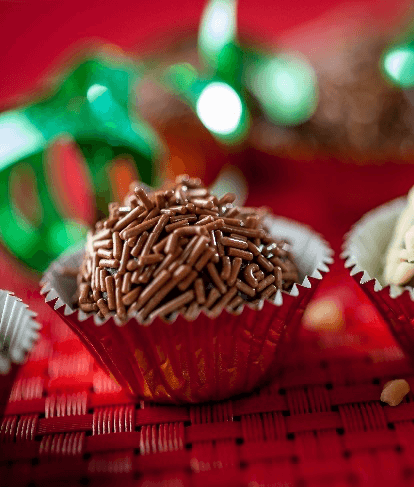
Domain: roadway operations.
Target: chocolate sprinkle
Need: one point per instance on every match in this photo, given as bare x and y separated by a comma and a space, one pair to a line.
181, 251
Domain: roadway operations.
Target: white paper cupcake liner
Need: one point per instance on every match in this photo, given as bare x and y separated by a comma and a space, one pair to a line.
204, 359
18, 333
18, 330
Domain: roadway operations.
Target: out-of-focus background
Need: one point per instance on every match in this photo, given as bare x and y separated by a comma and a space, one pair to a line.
326, 172
35, 34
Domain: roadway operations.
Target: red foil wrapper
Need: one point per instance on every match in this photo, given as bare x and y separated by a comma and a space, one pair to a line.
204, 359
364, 252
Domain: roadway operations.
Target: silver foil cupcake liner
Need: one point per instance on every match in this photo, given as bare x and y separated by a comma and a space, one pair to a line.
204, 359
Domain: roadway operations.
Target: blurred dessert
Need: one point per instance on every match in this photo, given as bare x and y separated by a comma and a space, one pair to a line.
360, 116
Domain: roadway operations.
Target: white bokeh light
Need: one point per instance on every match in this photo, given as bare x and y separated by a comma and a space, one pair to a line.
219, 108
395, 62
95, 91
19, 138
218, 26
285, 87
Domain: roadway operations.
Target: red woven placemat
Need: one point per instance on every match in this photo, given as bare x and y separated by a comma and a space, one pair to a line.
320, 423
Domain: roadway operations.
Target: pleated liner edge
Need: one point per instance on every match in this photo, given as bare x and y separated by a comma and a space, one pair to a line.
195, 361
395, 304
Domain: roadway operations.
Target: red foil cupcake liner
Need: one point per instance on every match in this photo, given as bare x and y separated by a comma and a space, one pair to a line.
364, 251
204, 359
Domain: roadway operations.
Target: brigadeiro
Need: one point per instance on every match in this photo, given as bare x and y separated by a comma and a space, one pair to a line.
379, 252
184, 297
181, 250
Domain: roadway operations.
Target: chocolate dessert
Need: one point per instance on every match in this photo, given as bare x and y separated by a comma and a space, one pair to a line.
181, 250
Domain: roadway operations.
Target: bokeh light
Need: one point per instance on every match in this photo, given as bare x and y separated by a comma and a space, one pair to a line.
181, 77
285, 87
95, 91
220, 108
19, 138
217, 29
398, 65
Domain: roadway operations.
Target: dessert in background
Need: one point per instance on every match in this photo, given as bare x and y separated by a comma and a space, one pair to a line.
399, 259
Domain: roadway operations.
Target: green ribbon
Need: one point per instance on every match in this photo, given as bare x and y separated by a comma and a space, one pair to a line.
92, 104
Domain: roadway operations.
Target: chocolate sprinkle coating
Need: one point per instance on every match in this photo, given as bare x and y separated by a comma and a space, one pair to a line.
192, 253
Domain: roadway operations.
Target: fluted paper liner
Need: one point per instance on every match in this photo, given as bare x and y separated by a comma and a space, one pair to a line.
18, 333
364, 253
204, 359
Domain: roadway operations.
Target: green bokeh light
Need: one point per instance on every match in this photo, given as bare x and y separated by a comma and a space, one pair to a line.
220, 108
18, 138
181, 77
398, 66
285, 87
217, 29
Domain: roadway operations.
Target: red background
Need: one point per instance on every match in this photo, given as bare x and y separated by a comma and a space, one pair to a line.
34, 34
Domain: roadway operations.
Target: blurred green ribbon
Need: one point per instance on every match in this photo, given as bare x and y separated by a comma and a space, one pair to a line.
92, 105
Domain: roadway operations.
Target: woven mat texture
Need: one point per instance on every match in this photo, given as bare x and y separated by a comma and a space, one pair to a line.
319, 424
